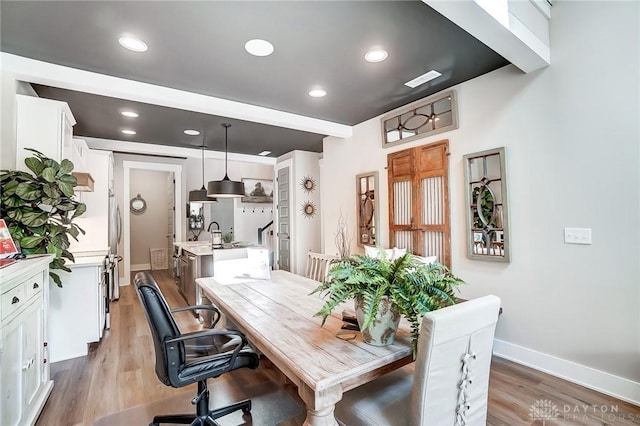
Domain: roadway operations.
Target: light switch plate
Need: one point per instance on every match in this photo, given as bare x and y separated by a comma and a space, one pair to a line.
577, 235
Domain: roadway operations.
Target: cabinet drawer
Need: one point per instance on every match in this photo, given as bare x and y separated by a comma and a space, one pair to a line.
34, 284
13, 300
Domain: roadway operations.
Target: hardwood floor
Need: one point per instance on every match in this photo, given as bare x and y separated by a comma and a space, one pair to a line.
119, 374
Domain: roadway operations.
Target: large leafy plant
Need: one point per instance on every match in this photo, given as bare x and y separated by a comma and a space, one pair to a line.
413, 288
39, 209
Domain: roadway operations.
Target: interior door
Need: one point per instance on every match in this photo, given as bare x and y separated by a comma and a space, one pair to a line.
419, 200
171, 236
284, 220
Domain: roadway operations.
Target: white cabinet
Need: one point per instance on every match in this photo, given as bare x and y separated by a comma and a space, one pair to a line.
79, 305
11, 361
44, 125
24, 368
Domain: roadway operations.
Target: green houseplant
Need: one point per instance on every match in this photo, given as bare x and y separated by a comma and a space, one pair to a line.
412, 287
39, 209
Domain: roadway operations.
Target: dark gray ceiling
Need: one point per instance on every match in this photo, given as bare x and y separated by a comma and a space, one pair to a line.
198, 46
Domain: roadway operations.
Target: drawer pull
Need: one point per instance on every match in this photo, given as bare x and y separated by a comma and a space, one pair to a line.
15, 300
35, 285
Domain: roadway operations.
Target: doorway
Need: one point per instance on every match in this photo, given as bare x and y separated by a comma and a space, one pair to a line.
175, 228
152, 228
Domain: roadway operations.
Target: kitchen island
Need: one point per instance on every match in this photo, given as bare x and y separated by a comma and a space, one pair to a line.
197, 259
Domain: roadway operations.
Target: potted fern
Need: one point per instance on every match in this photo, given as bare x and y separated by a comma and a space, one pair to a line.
384, 290
39, 209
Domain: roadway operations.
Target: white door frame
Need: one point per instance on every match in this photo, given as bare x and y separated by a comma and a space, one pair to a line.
176, 169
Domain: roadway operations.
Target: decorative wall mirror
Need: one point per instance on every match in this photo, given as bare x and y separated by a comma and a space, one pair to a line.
196, 215
367, 208
487, 210
196, 219
137, 205
425, 117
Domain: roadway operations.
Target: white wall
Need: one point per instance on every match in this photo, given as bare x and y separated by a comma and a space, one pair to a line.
7, 121
572, 142
118, 178
95, 220
245, 225
248, 217
306, 230
148, 229
9, 87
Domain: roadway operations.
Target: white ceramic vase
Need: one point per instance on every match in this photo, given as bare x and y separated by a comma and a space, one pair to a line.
383, 329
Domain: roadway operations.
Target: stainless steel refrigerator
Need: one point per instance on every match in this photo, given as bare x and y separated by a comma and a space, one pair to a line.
115, 232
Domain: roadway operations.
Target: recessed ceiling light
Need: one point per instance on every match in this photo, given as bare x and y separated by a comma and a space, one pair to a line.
130, 114
376, 55
191, 132
258, 47
423, 79
128, 132
133, 43
264, 153
317, 93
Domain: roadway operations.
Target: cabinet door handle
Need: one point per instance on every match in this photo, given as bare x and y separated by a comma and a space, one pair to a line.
15, 300
28, 364
35, 285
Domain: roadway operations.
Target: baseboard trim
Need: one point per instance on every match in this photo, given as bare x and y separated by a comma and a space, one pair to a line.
607, 383
141, 267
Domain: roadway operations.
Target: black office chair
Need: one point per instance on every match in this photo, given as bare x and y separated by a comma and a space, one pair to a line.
183, 359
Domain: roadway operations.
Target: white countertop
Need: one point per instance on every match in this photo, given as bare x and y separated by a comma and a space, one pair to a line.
203, 248
102, 252
85, 261
17, 267
199, 248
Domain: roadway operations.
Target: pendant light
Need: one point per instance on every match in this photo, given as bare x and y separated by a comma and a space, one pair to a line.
200, 195
225, 188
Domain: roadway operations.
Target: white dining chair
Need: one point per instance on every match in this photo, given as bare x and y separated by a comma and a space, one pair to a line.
449, 383
318, 265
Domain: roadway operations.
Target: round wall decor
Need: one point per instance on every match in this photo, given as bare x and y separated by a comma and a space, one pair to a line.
308, 184
308, 209
138, 204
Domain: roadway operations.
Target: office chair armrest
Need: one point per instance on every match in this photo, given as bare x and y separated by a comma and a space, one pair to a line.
216, 313
207, 333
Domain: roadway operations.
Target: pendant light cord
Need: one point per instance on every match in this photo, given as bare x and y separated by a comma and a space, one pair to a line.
226, 149
203, 163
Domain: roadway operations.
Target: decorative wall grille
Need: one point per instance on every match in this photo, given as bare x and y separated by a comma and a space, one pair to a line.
419, 200
425, 117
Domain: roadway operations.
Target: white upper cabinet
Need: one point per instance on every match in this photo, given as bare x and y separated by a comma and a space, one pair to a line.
44, 125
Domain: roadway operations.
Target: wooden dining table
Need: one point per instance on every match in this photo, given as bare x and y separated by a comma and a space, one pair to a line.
277, 317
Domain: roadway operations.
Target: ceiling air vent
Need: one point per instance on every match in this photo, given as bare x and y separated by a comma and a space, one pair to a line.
423, 79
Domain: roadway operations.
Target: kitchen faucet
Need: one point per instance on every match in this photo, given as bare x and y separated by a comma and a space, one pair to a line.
209, 227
